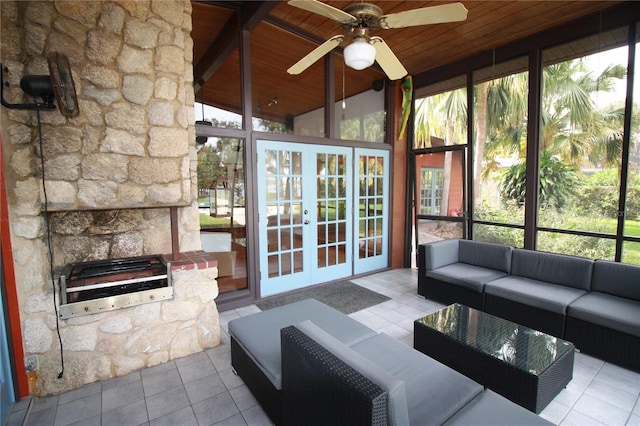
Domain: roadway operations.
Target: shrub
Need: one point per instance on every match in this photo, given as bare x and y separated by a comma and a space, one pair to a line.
558, 182
598, 196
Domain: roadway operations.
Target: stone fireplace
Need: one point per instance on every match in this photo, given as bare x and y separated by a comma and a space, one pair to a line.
118, 180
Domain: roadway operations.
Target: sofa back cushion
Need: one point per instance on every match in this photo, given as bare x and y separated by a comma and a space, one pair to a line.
329, 370
616, 278
487, 255
570, 271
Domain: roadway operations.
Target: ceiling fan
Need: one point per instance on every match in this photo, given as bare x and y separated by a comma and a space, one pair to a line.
359, 21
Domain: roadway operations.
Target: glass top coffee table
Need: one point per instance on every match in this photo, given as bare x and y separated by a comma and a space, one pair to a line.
524, 365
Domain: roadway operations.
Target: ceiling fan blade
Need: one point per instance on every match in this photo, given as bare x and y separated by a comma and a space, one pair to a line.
315, 54
453, 12
388, 60
323, 9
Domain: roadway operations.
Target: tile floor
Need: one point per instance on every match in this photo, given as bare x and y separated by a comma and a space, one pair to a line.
201, 389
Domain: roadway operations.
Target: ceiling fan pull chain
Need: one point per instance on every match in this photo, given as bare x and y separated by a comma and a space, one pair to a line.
344, 103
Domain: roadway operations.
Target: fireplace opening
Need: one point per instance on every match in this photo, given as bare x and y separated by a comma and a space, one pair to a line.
105, 285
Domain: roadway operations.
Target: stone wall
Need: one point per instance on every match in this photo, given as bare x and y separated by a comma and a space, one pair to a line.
110, 174
114, 343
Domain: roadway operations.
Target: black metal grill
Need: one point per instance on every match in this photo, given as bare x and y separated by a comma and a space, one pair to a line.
108, 279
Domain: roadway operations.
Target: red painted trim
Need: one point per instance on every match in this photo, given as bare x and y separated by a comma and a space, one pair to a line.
10, 285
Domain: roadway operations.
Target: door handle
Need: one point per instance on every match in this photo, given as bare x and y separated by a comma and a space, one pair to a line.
306, 221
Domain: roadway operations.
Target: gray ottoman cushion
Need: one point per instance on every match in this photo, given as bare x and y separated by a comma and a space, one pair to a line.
434, 391
553, 268
259, 334
609, 311
549, 297
465, 275
491, 409
397, 413
487, 255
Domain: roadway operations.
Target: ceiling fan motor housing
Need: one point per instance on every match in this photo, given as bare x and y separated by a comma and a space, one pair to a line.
368, 16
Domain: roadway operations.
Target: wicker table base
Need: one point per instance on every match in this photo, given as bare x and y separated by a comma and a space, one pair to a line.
526, 366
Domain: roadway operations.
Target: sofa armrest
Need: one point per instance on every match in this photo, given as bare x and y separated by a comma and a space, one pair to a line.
439, 254
325, 382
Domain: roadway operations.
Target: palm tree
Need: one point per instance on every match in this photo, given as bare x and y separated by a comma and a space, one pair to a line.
572, 125
444, 116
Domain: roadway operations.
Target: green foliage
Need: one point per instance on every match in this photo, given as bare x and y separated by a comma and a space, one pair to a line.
590, 247
558, 182
209, 166
599, 195
500, 234
207, 221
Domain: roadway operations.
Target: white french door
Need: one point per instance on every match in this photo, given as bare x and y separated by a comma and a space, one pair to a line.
306, 213
372, 221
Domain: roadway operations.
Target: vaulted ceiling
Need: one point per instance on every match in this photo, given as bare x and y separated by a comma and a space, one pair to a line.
281, 34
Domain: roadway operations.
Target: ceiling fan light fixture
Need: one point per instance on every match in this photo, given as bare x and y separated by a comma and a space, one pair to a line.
360, 54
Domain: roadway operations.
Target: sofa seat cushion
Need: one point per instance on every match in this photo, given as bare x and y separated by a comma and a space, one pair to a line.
434, 391
465, 275
259, 334
397, 413
616, 313
491, 409
538, 294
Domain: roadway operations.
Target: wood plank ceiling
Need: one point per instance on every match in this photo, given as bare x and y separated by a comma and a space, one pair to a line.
282, 34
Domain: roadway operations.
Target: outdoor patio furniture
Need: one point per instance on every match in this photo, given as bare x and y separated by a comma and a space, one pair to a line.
539, 289
606, 321
334, 370
457, 270
255, 345
594, 304
527, 366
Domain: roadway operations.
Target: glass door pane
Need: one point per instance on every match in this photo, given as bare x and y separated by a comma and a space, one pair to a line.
222, 208
283, 232
333, 200
372, 215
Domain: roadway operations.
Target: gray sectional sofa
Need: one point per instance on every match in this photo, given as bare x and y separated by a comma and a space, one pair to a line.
309, 364
593, 304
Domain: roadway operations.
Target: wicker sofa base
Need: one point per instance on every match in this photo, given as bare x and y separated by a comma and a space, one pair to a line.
446, 293
316, 381
260, 386
602, 342
532, 317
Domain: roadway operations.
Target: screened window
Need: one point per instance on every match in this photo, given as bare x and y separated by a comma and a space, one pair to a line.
581, 137
499, 147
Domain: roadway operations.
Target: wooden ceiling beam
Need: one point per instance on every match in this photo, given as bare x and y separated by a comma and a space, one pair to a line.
251, 14
295, 30
216, 54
